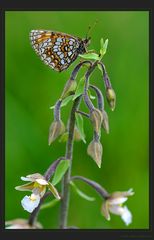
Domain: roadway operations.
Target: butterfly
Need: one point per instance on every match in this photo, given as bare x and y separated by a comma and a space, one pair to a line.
58, 50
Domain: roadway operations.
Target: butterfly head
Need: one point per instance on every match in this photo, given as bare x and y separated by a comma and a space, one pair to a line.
83, 45
86, 41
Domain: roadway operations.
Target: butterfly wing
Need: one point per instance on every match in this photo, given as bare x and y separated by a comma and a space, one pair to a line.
57, 50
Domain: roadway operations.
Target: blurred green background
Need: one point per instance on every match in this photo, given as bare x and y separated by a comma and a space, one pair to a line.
32, 87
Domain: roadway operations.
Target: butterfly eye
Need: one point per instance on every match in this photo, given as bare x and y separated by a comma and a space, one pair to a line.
86, 41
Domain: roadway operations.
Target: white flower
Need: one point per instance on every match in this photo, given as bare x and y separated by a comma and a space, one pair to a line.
29, 203
126, 216
20, 223
37, 185
114, 203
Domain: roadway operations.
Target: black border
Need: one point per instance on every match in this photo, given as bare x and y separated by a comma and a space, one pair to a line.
51, 5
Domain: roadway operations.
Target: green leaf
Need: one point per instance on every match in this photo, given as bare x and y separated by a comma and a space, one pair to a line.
100, 68
49, 204
102, 43
81, 194
60, 171
65, 101
79, 124
103, 47
52, 107
64, 137
80, 88
93, 56
90, 95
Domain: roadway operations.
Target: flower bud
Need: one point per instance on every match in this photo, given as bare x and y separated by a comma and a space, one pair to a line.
56, 129
95, 151
69, 88
96, 119
105, 122
111, 98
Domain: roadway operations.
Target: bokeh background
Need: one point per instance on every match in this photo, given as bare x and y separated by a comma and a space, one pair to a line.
31, 88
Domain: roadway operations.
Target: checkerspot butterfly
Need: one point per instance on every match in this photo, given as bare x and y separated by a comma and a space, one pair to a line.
57, 50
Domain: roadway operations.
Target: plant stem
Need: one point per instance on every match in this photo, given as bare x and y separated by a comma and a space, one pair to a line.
105, 76
85, 95
83, 113
33, 217
102, 191
68, 155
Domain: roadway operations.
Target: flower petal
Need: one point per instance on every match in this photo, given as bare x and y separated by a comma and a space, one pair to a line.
41, 181
39, 191
54, 191
115, 209
25, 179
122, 194
105, 210
126, 216
32, 177
130, 192
115, 201
29, 203
25, 187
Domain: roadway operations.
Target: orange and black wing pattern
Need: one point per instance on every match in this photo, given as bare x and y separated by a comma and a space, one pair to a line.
57, 50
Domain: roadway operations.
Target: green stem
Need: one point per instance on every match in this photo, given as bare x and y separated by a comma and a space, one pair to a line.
66, 179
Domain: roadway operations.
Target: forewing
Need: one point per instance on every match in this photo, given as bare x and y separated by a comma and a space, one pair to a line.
57, 50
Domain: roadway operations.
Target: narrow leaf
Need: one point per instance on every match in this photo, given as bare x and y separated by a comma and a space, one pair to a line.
79, 124
81, 194
93, 56
64, 137
80, 88
52, 107
90, 95
60, 171
49, 204
102, 43
65, 101
100, 68
105, 46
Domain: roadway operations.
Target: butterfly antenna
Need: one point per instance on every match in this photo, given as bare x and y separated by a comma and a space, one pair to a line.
90, 28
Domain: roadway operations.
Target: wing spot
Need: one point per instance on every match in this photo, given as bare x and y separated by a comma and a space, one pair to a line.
69, 53
62, 55
59, 53
62, 62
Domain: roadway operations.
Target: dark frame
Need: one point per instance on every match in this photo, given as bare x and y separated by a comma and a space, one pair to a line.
71, 234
